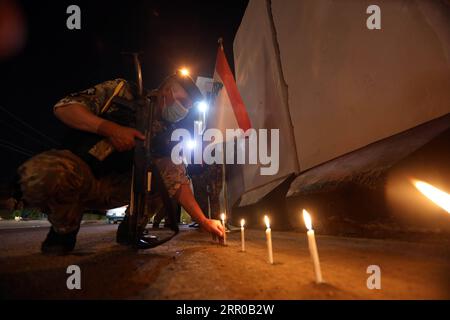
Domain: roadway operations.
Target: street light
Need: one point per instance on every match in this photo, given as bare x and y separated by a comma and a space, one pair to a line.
191, 144
184, 72
202, 106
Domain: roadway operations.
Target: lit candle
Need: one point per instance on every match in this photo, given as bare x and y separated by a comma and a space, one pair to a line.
439, 197
269, 239
242, 234
312, 246
222, 217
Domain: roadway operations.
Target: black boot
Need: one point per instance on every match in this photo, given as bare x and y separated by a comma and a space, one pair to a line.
59, 244
124, 237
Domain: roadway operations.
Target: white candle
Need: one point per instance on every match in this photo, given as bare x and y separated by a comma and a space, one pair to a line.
269, 239
222, 217
312, 246
242, 235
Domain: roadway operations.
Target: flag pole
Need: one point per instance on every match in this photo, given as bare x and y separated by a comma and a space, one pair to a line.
224, 173
224, 181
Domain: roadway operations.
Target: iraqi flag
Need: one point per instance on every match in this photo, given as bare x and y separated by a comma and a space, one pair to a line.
228, 111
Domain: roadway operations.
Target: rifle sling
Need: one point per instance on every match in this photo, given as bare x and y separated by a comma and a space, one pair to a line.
169, 206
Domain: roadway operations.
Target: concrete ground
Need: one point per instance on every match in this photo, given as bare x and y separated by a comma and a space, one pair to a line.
191, 266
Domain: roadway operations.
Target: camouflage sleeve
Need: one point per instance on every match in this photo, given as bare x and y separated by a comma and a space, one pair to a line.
96, 97
173, 175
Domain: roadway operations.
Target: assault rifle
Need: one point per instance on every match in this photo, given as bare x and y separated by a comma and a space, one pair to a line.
145, 175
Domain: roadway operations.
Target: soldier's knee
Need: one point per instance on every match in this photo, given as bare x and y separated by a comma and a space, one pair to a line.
55, 173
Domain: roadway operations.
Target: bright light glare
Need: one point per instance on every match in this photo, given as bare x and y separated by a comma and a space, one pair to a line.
307, 219
191, 144
203, 106
439, 197
184, 72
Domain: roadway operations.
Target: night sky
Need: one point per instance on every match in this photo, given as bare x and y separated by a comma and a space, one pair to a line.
56, 61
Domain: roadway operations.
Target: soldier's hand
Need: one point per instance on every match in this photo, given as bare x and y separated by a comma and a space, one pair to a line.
213, 226
123, 138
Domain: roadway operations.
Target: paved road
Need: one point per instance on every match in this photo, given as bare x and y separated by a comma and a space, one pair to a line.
12, 224
193, 267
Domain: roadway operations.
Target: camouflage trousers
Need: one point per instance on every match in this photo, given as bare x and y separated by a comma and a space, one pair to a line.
63, 186
207, 186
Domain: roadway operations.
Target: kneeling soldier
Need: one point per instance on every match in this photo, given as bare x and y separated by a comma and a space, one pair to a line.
65, 183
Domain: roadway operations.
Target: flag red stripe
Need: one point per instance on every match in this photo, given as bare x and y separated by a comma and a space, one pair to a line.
224, 71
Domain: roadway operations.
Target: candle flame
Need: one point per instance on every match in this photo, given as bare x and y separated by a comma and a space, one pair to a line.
267, 221
439, 197
222, 216
307, 219
242, 223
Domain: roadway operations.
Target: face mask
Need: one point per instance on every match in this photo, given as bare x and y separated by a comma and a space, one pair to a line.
174, 112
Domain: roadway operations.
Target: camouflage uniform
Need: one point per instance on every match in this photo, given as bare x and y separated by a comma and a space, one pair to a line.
64, 185
207, 183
